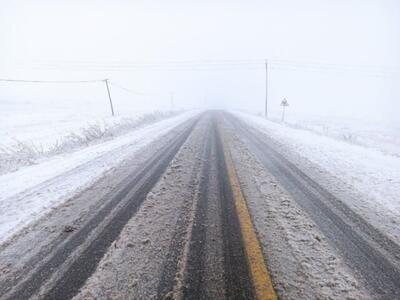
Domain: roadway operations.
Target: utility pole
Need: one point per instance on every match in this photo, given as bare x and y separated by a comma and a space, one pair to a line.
266, 88
109, 97
172, 100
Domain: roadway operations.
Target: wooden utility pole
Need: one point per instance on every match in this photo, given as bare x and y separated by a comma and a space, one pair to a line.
266, 88
109, 97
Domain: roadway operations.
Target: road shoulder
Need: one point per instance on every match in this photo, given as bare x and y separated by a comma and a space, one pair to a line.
301, 262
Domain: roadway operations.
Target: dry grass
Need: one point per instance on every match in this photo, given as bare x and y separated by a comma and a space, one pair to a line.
20, 154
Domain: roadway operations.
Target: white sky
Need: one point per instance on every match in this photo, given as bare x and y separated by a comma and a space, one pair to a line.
343, 32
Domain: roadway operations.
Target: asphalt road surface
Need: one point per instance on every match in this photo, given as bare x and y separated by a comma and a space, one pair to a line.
174, 224
370, 253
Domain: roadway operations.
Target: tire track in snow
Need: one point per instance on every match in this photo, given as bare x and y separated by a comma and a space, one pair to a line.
373, 256
67, 268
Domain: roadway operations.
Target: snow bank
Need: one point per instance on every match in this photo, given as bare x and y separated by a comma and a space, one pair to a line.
373, 174
24, 142
380, 135
27, 194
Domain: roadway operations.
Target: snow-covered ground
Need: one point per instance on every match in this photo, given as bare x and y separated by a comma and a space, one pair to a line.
44, 129
373, 174
28, 193
380, 135
30, 133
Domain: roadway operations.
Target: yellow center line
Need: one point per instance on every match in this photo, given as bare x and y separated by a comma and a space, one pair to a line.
259, 273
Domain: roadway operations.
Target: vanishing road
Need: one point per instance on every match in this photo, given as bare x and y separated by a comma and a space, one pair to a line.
212, 210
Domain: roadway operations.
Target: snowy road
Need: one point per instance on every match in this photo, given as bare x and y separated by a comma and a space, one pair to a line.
167, 223
370, 253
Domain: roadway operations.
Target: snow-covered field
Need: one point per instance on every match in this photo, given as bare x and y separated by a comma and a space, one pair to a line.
28, 193
29, 133
370, 171
380, 135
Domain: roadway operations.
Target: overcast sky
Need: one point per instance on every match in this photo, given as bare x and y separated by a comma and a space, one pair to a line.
355, 44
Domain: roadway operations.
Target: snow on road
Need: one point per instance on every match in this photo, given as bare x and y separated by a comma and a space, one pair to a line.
302, 262
133, 267
28, 193
372, 175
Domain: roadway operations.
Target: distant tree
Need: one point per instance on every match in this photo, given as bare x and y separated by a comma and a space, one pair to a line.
284, 103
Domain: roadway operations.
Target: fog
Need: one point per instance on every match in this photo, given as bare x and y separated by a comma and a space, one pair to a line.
338, 58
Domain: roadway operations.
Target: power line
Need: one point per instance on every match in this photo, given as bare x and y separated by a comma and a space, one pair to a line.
74, 81
155, 68
147, 64
107, 83
63, 82
209, 63
50, 81
221, 65
135, 92
126, 89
